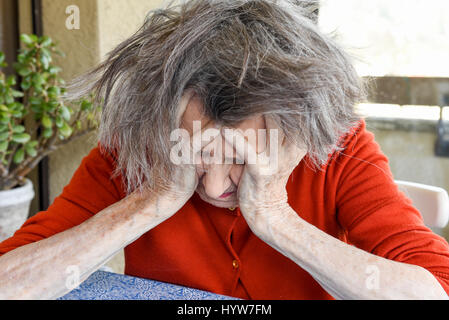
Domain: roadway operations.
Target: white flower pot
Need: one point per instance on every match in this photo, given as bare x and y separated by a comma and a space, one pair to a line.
14, 208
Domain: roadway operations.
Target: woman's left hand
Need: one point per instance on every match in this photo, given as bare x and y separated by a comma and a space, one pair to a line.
262, 193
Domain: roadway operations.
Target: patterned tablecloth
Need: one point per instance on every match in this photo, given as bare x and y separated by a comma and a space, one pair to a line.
103, 285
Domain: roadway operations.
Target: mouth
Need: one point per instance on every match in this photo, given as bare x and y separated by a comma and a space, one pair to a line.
226, 195
225, 200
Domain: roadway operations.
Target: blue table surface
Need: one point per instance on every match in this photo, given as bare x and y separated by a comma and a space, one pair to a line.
102, 285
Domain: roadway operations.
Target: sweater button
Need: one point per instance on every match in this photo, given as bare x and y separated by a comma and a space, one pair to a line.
235, 264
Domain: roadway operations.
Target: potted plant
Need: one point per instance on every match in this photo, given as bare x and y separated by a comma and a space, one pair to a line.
35, 120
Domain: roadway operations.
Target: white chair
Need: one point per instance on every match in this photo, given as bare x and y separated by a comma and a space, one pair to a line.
432, 202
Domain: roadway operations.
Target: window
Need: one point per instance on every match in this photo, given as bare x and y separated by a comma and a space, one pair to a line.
393, 37
403, 45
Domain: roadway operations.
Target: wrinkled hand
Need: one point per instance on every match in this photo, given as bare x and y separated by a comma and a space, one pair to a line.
262, 193
166, 201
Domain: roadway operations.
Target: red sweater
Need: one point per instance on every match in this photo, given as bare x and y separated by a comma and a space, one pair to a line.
353, 199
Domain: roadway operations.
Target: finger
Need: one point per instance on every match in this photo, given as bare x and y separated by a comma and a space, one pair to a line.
273, 130
243, 149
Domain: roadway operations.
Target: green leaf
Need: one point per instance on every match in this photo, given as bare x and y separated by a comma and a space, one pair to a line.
18, 129
17, 94
4, 146
4, 120
16, 106
65, 113
21, 58
4, 108
45, 60
38, 79
32, 144
19, 156
5, 114
47, 133
86, 105
17, 114
32, 152
4, 136
59, 122
21, 137
24, 71
34, 37
66, 130
54, 70
11, 81
51, 105
25, 85
27, 39
38, 88
46, 41
46, 107
46, 54
2, 57
9, 98
35, 100
54, 91
38, 110
46, 121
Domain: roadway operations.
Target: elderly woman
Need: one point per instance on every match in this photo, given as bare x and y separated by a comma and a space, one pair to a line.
326, 221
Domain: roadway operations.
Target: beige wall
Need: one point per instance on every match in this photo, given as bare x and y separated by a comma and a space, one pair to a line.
412, 157
103, 25
82, 52
119, 19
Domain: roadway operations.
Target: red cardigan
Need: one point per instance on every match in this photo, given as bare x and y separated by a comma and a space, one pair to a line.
352, 198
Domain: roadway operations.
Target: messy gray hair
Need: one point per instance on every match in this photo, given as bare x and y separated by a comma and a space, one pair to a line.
243, 58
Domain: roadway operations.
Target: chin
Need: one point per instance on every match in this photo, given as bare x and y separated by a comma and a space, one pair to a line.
230, 202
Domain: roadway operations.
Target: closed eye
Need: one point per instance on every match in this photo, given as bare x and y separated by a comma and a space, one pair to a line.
233, 161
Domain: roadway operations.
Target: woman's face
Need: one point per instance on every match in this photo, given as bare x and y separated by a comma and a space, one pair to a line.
218, 182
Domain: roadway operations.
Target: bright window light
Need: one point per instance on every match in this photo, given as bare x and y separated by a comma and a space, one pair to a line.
392, 37
372, 110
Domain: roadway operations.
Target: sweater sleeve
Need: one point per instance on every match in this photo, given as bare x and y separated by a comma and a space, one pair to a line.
89, 191
376, 216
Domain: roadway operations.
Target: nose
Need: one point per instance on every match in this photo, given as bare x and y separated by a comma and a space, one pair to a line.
216, 180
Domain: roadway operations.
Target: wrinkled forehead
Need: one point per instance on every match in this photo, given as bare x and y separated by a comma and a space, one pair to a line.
194, 112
